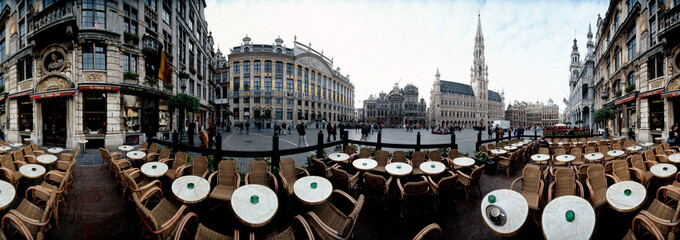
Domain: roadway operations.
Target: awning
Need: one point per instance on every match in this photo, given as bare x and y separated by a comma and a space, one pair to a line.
671, 94
16, 95
98, 87
61, 93
625, 100
650, 93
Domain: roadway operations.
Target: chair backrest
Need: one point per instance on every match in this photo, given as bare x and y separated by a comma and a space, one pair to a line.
257, 173
353, 216
7, 162
453, 153
665, 146
637, 162
531, 178
287, 168
27, 150
604, 149
381, 157
590, 149
447, 184
199, 166
18, 156
180, 159
417, 158
597, 179
144, 145
364, 152
375, 184
227, 174
565, 182
341, 178
544, 150
490, 146
481, 149
165, 153
576, 152
319, 167
616, 146
2, 142
145, 213
416, 188
436, 156
560, 151
620, 170
398, 156
153, 148
349, 150
476, 174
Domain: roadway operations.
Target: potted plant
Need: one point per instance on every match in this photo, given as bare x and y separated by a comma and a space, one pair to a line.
630, 88
200, 76
130, 75
131, 38
151, 80
192, 70
168, 85
618, 93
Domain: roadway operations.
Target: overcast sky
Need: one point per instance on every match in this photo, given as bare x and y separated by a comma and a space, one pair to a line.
528, 43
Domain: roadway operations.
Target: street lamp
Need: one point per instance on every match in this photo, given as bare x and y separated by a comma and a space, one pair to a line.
183, 139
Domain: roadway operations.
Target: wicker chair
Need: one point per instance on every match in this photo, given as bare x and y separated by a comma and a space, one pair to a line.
28, 155
144, 147
330, 222
352, 152
320, 168
435, 156
54, 179
37, 151
162, 219
577, 152
621, 171
565, 183
178, 164
164, 154
202, 232
11, 169
668, 149
199, 167
399, 156
643, 167
142, 186
107, 157
151, 153
506, 163
582, 171
532, 186
650, 156
589, 150
604, 149
616, 146
343, 180
288, 173
228, 180
258, 174
364, 152
417, 159
470, 181
453, 153
18, 156
432, 231
376, 185
661, 218
445, 185
412, 193
544, 150
118, 169
381, 158
597, 185
30, 220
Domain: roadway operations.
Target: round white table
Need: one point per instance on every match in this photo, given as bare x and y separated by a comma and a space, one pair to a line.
432, 167
55, 150
28, 140
7, 194
498, 151
313, 190
254, 204
515, 207
136, 155
519, 144
464, 161
593, 156
674, 158
565, 158
647, 144
634, 148
5, 148
626, 196
16, 145
510, 148
540, 157
154, 169
663, 170
364, 164
398, 169
338, 157
83, 142
47, 159
32, 170
190, 189
615, 153
126, 148
555, 224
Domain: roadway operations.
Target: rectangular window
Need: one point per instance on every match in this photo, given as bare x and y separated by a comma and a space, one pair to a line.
94, 112
130, 62
25, 106
268, 66
279, 85
130, 19
289, 101
299, 71
166, 15
191, 21
299, 86
246, 84
258, 83
182, 47
289, 85
24, 69
655, 66
289, 114
257, 66
289, 69
279, 113
94, 13
237, 67
652, 30
246, 68
191, 87
237, 84
631, 49
267, 100
279, 70
94, 56
22, 34
267, 84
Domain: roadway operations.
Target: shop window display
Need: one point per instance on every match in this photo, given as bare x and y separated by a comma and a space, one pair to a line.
25, 114
94, 112
132, 113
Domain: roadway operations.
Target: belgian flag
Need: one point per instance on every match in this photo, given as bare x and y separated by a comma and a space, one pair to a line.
164, 68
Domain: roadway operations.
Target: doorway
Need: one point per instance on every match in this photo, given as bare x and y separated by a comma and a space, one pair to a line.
54, 121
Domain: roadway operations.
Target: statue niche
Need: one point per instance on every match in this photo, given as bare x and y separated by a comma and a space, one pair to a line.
54, 62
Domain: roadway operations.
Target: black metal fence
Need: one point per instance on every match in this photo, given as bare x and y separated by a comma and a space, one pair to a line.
275, 154
535, 136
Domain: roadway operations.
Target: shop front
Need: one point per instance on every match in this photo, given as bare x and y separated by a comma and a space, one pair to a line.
145, 114
51, 96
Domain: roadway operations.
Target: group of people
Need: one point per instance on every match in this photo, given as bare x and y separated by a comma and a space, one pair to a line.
674, 136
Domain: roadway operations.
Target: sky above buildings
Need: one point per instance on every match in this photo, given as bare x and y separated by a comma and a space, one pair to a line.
380, 43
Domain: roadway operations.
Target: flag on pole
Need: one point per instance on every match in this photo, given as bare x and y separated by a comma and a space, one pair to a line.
565, 101
164, 69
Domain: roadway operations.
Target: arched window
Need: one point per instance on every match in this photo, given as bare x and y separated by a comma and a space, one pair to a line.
278, 50
246, 49
631, 78
617, 58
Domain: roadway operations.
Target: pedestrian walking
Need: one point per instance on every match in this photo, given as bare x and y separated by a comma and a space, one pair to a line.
248, 128
283, 126
329, 131
301, 135
240, 128
212, 131
191, 131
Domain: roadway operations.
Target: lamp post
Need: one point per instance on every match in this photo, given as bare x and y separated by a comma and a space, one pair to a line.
183, 139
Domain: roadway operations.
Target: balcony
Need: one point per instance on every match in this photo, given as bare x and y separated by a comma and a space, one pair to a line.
57, 18
670, 19
151, 45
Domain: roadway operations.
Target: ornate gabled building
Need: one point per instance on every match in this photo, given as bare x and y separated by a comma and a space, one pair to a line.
458, 104
399, 106
581, 92
532, 114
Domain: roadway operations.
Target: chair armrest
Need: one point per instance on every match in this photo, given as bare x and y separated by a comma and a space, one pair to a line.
616, 179
302, 169
432, 183
51, 173
17, 223
638, 173
27, 219
247, 177
512, 185
167, 160
276, 182
212, 175
182, 224
117, 155
648, 224
284, 182
428, 229
346, 196
658, 220
20, 163
180, 170
580, 188
152, 191
330, 231
401, 187
170, 222
305, 226
9, 174
463, 174
149, 185
31, 157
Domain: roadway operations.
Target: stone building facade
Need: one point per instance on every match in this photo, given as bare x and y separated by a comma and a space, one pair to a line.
581, 83
88, 70
532, 114
637, 66
399, 106
458, 104
278, 83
